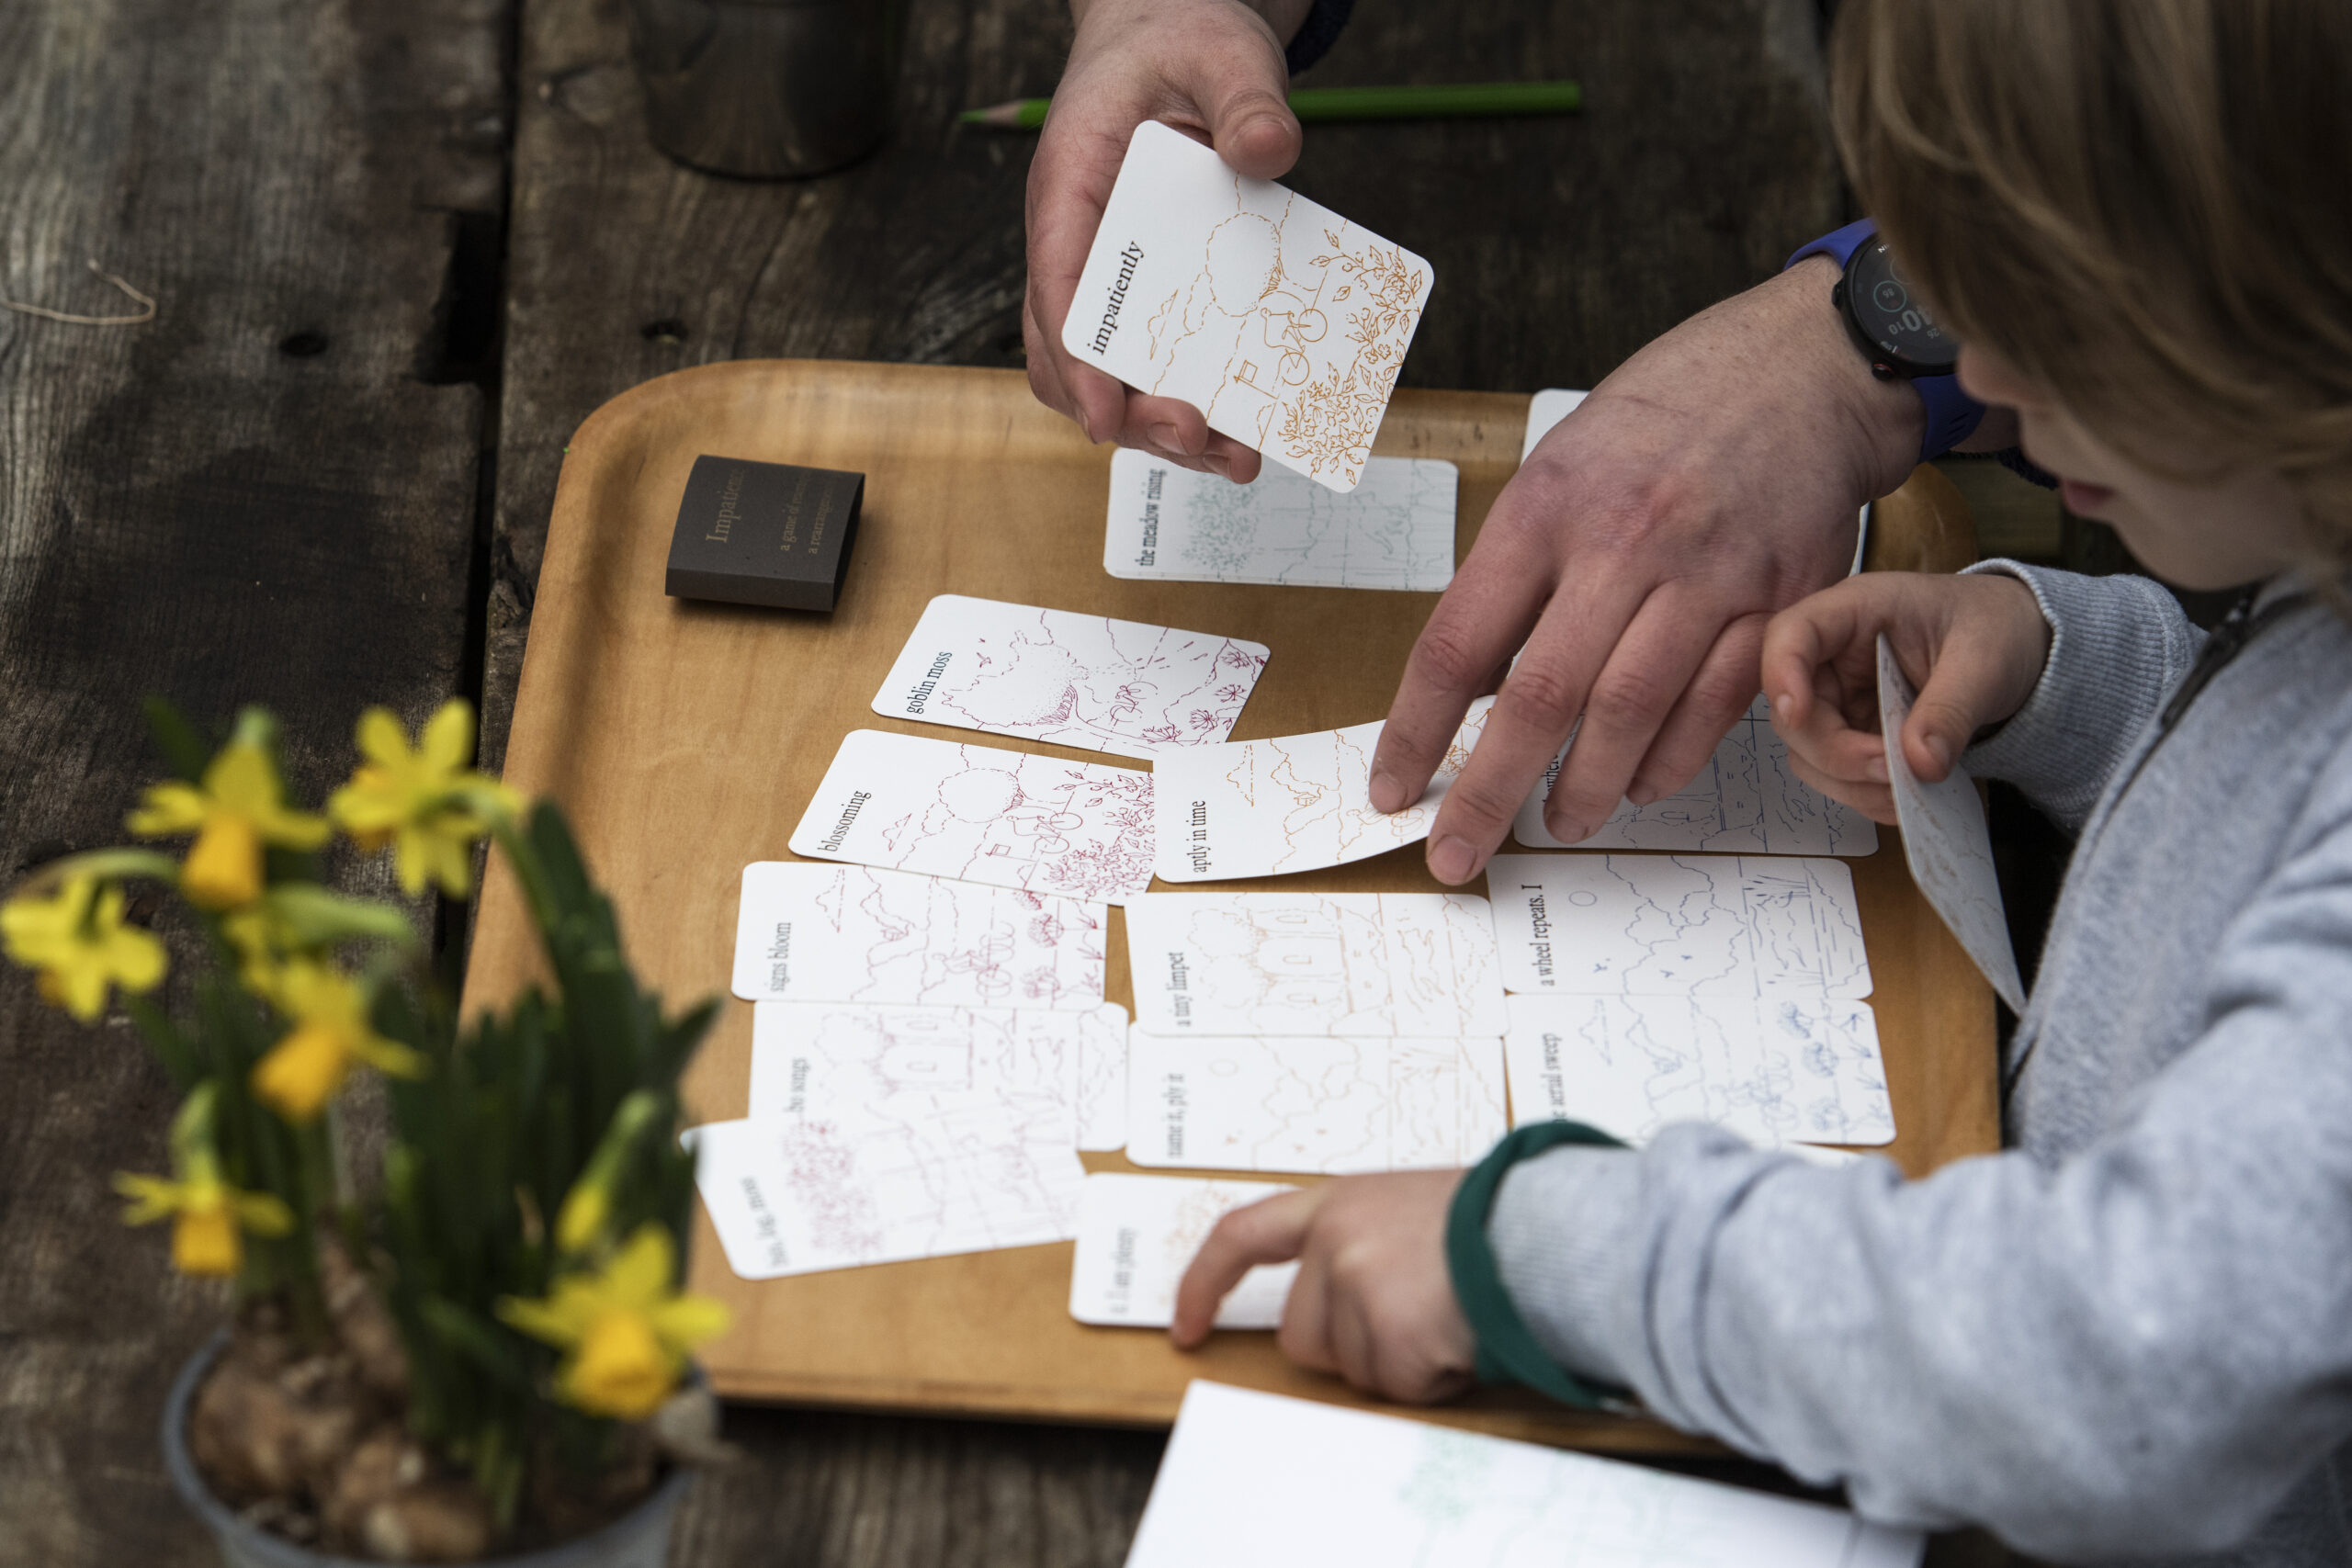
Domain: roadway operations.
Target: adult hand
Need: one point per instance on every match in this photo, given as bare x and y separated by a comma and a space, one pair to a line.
1374, 1300
1712, 479
1973, 647
1211, 68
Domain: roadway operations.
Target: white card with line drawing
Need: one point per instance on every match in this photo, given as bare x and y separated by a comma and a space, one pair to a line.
1313, 1107
1320, 963
1755, 926
1394, 532
1746, 800
1070, 680
1784, 1071
982, 814
1136, 1234
923, 1178
1291, 803
1281, 321
808, 932
810, 1057
1947, 843
1254, 1480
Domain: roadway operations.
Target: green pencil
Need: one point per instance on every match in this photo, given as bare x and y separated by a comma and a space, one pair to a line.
1449, 101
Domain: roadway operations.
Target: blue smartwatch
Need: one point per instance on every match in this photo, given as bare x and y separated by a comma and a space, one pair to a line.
1895, 333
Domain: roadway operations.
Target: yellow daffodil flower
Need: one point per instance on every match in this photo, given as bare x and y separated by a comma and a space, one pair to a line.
627, 1328
331, 1036
239, 808
208, 1216
78, 942
424, 801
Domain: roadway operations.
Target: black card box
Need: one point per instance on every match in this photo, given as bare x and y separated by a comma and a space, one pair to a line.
764, 533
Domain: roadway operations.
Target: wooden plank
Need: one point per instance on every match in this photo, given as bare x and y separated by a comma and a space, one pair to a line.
684, 740
252, 498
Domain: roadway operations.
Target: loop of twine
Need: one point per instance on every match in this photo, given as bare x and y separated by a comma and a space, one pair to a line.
146, 313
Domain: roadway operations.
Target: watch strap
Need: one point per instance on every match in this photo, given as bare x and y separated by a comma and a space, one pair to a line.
1952, 416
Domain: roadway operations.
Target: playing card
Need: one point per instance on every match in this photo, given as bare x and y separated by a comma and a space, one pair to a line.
1946, 843
1394, 531
1313, 1106
810, 1057
1281, 321
1319, 963
921, 1176
981, 814
849, 933
1544, 410
1293, 803
1746, 800
1776, 1072
1070, 679
1136, 1234
1755, 926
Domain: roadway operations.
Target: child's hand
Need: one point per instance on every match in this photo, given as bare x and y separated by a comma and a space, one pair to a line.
1973, 647
1374, 1301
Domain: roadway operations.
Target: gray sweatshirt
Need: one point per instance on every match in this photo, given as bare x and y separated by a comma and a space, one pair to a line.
2130, 1336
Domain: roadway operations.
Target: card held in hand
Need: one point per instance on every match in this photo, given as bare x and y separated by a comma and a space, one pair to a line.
1281, 321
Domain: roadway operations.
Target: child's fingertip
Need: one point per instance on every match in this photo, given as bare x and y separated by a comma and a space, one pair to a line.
1875, 771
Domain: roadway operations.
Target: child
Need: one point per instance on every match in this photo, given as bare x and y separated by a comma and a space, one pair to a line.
2130, 1336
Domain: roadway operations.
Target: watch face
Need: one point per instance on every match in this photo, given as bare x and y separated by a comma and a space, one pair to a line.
1891, 315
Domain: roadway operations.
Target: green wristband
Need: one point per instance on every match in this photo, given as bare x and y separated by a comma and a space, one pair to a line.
1507, 1348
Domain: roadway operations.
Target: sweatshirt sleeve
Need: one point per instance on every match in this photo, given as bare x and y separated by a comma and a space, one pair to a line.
2118, 647
2139, 1351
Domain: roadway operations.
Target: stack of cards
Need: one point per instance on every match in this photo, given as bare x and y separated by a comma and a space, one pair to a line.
1281, 321
1648, 989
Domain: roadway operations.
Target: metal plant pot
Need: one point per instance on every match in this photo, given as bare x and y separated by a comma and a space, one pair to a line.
770, 89
639, 1538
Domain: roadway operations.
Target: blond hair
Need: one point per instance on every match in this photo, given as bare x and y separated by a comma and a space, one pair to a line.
2145, 204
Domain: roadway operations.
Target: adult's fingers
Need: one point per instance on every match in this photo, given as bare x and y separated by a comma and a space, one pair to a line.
1539, 704
1268, 1231
1722, 688
1069, 181
1640, 679
1474, 631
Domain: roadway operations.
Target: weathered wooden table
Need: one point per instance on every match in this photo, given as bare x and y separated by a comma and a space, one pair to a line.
401, 250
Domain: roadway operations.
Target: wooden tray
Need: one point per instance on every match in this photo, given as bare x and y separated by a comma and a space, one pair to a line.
684, 740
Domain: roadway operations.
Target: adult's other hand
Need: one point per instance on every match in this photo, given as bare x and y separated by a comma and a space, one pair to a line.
1211, 68
1712, 480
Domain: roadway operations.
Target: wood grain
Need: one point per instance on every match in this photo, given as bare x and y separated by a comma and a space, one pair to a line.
684, 740
250, 499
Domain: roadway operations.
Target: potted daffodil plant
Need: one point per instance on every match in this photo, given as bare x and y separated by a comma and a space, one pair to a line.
455, 1244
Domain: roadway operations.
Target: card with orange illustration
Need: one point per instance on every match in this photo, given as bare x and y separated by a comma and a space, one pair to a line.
1281, 321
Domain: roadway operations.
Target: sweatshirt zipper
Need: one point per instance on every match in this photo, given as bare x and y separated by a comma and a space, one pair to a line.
2222, 645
